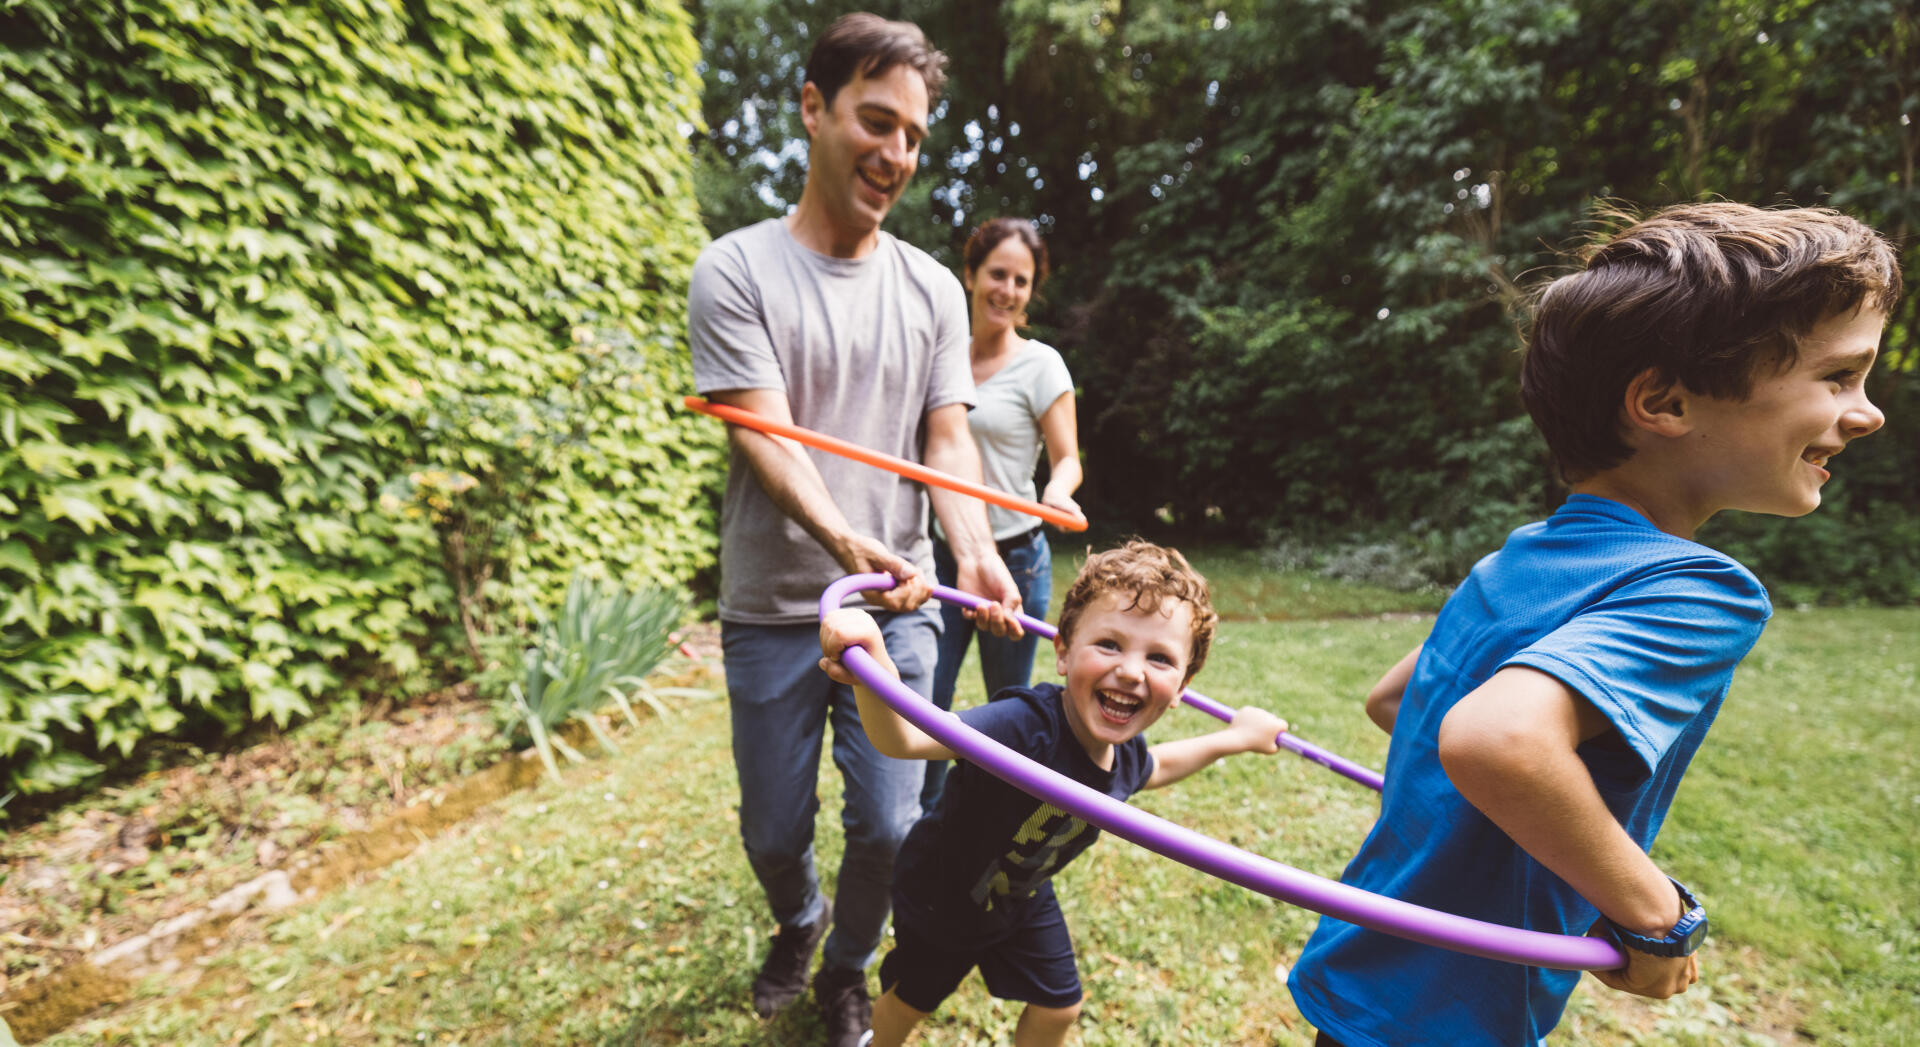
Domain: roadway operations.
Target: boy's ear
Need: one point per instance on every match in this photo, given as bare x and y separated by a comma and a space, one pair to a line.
1657, 403
1060, 656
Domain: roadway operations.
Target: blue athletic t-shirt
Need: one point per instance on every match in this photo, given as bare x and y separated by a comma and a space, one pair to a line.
970, 869
1646, 626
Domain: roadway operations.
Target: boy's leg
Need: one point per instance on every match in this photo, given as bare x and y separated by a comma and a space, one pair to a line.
1009, 663
1036, 966
893, 1020
778, 700
917, 968
1045, 1026
882, 797
956, 632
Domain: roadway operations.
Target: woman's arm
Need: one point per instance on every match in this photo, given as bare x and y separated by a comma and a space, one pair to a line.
1060, 426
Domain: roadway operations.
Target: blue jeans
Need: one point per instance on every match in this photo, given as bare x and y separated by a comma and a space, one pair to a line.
1003, 662
781, 704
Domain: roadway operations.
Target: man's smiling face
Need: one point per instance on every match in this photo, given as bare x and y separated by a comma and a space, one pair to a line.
865, 145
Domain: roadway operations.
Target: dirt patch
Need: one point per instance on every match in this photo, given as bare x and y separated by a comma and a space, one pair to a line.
149, 877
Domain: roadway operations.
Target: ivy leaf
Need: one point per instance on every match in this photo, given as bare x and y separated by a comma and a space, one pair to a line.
197, 685
18, 557
84, 512
55, 771
280, 705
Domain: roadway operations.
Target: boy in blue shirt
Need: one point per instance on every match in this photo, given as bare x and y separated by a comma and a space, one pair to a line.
1710, 357
972, 884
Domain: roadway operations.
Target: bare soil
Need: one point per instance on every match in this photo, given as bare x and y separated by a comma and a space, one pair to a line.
137, 873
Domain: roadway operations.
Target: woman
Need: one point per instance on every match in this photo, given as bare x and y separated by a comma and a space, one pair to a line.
1025, 399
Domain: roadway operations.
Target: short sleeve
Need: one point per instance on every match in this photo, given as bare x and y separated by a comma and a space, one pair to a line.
1052, 382
1013, 722
950, 379
726, 324
1658, 650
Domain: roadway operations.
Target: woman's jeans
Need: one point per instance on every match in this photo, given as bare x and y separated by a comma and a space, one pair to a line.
1003, 663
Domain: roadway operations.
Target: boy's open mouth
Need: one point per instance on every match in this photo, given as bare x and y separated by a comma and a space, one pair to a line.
1118, 708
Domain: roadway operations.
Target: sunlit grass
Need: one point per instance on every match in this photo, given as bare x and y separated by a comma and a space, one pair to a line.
619, 909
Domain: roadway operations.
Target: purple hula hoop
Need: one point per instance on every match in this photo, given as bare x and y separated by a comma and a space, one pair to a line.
1211, 856
1366, 776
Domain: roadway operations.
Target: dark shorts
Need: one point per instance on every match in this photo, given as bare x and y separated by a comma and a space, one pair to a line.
1032, 964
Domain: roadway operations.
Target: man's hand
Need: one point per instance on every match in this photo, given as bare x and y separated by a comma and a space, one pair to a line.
851, 627
1655, 977
860, 554
988, 577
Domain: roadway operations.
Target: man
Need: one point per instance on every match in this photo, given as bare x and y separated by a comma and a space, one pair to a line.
823, 320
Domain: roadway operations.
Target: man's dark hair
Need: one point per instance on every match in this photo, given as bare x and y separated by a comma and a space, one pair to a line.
1709, 294
862, 44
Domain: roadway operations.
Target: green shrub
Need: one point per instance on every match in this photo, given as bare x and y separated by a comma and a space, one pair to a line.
597, 650
256, 255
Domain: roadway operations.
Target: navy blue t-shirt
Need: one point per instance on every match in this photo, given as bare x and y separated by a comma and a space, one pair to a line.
971, 867
1646, 626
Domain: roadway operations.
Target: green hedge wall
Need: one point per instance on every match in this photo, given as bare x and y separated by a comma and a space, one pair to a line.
285, 290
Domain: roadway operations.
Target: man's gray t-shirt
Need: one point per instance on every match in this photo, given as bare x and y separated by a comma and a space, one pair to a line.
863, 348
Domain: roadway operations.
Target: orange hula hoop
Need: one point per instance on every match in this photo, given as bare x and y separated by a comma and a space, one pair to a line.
911, 470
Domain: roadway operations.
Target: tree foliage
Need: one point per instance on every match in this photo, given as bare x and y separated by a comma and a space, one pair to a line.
1291, 237
285, 290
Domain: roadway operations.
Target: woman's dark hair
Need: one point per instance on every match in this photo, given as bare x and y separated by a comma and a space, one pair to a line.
862, 44
1711, 295
989, 235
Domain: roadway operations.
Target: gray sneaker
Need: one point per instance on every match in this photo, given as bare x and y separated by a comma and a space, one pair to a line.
783, 977
844, 1006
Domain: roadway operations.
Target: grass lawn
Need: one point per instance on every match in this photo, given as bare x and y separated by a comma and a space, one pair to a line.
618, 909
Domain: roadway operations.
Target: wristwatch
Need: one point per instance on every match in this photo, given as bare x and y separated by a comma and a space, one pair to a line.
1685, 937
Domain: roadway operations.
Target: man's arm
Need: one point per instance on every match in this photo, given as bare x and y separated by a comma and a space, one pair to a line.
1383, 702
791, 480
889, 732
1509, 747
950, 449
1252, 730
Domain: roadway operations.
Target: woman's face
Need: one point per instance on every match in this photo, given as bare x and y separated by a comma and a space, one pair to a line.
1000, 287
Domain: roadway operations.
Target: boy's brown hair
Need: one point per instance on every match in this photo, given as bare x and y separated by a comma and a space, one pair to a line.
1149, 577
862, 44
1711, 295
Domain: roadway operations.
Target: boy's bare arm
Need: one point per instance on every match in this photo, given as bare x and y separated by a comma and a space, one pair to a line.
1509, 747
1383, 702
889, 732
1253, 730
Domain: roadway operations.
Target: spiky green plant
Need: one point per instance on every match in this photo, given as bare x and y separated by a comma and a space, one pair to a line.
598, 648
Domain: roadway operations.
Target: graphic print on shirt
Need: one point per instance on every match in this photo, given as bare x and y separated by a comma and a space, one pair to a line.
1032, 859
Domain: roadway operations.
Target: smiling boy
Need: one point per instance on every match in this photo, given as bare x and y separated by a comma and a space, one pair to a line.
972, 887
1713, 356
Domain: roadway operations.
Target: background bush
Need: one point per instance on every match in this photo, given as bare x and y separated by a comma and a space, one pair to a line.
1289, 236
296, 303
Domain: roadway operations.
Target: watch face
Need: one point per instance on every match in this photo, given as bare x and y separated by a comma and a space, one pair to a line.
1695, 936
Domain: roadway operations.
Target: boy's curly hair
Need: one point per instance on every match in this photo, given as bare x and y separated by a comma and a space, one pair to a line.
1150, 577
1712, 295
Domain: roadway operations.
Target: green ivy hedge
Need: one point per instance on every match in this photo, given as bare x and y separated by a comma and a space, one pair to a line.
285, 290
